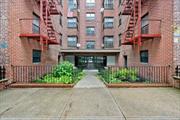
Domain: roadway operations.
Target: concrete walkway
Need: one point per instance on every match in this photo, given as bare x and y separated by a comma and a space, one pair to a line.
90, 100
90, 104
90, 80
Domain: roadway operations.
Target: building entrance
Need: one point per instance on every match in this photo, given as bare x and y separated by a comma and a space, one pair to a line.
90, 62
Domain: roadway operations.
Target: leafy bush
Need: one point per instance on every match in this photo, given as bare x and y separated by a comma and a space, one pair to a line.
63, 69
127, 75
66, 79
122, 75
78, 74
63, 73
107, 76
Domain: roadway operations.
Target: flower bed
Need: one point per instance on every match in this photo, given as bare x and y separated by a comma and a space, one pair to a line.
135, 76
63, 74
120, 76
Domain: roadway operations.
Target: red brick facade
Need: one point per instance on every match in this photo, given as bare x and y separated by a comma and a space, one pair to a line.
20, 21
100, 32
176, 41
162, 51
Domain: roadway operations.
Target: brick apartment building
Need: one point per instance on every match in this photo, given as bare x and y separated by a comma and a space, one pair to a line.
148, 36
147, 32
94, 33
90, 33
121, 32
88, 30
90, 38
29, 29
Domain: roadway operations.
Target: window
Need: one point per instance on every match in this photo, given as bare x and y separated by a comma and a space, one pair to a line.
36, 56
144, 56
108, 4
72, 41
2, 72
125, 60
72, 4
60, 19
90, 3
90, 30
60, 2
120, 39
36, 24
108, 22
90, 44
72, 22
120, 2
90, 16
108, 42
60, 39
145, 24
120, 19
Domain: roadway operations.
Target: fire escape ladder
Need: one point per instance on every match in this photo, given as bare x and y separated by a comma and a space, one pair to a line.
139, 22
132, 10
49, 8
53, 7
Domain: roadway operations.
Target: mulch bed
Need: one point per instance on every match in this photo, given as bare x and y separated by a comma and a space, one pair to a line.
135, 85
40, 85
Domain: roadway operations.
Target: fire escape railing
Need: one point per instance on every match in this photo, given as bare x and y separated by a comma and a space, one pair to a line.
42, 27
48, 8
137, 28
30, 28
150, 30
131, 9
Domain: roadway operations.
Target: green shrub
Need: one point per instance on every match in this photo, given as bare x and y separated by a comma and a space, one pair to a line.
122, 75
78, 74
125, 74
63, 69
66, 79
62, 73
107, 76
51, 79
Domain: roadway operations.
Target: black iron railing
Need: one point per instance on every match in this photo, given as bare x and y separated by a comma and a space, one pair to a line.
177, 70
136, 74
2, 72
42, 74
26, 74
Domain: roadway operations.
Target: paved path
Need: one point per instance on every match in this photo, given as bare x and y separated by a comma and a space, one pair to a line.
90, 104
90, 80
90, 100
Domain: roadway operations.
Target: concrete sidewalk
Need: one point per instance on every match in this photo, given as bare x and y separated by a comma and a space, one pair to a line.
90, 104
90, 80
58, 104
90, 100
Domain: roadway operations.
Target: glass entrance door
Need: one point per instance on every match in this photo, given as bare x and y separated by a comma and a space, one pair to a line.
90, 62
